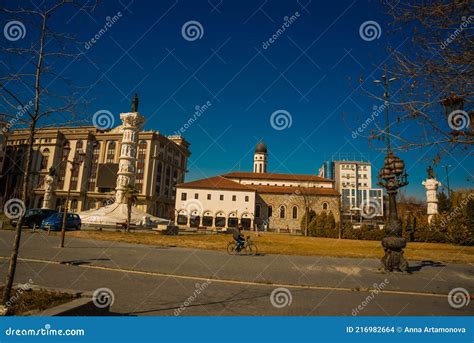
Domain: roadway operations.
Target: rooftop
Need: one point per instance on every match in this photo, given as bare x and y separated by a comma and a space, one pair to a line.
275, 176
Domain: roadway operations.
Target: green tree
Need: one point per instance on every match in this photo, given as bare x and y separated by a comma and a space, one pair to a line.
321, 220
130, 196
443, 203
470, 216
311, 215
330, 221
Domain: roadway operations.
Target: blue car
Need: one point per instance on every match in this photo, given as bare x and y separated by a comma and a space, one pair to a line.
54, 222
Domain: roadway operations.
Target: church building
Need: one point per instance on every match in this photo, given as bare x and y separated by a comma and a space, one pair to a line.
257, 200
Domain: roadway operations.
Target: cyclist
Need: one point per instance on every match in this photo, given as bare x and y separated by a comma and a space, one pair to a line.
239, 238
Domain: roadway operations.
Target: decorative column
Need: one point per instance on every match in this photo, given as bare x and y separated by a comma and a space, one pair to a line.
132, 122
431, 186
48, 189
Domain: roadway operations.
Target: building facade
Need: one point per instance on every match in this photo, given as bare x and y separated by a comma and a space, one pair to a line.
161, 164
353, 179
256, 200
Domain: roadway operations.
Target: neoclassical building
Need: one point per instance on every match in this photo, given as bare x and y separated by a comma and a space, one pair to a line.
257, 199
161, 164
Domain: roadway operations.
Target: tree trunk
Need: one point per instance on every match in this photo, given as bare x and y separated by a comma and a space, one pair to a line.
16, 243
26, 173
129, 215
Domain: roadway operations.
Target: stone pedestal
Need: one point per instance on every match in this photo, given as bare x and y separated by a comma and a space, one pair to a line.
48, 192
132, 122
431, 186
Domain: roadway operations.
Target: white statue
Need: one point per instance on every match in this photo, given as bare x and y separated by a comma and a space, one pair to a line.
48, 189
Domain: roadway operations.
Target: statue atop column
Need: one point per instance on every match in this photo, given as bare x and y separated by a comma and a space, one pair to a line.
431, 186
135, 103
131, 124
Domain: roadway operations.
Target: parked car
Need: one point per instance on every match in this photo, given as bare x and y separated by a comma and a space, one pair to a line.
34, 216
54, 222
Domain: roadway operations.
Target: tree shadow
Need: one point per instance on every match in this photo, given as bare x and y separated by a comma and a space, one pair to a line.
81, 262
232, 299
423, 264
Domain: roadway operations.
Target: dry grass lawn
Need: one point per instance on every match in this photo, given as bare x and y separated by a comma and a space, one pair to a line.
271, 243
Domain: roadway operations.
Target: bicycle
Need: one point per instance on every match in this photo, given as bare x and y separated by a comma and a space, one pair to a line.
248, 247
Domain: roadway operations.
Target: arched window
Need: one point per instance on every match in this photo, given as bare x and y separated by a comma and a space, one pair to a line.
270, 211
282, 212
45, 159
295, 212
325, 206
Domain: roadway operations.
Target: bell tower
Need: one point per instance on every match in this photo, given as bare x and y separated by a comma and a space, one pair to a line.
260, 158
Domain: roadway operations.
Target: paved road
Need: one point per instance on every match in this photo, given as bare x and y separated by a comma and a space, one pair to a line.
150, 280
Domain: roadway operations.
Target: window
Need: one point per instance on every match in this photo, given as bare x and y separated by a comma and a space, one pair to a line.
140, 170
110, 152
183, 196
325, 206
257, 211
208, 197
246, 198
234, 198
196, 195
270, 211
282, 212
295, 212
44, 160
221, 197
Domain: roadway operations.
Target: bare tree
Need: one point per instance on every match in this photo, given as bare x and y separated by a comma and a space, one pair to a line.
435, 76
40, 80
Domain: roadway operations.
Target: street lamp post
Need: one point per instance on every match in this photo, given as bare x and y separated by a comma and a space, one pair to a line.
392, 177
75, 162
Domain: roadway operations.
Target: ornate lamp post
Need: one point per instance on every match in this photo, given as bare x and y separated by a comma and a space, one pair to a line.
392, 177
75, 163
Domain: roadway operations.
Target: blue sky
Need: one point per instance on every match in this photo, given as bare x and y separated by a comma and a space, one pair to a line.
311, 71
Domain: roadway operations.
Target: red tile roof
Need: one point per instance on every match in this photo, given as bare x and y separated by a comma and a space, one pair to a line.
296, 190
276, 176
220, 182
216, 182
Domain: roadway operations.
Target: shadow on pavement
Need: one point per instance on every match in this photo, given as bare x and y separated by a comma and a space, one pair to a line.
424, 264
